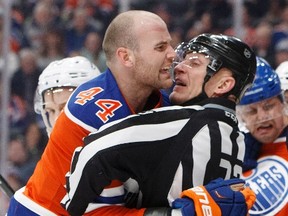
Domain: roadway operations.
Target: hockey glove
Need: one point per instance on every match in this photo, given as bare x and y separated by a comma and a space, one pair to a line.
252, 150
219, 197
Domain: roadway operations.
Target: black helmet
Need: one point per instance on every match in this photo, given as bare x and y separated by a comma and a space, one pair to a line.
225, 52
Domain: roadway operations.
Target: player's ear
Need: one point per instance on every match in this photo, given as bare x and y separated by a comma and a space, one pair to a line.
225, 84
126, 56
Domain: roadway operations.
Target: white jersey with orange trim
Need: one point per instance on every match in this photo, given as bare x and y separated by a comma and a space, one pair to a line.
90, 106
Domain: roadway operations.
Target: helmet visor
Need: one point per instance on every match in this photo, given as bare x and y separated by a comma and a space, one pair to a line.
39, 102
185, 48
51, 103
262, 111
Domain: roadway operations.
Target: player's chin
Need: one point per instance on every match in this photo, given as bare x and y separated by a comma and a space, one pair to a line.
166, 82
176, 98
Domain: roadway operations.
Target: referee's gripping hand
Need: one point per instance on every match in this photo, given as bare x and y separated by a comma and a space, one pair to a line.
219, 197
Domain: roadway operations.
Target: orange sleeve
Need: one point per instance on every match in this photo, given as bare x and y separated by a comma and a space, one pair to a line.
46, 185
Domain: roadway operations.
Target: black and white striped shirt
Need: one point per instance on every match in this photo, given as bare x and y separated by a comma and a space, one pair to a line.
165, 151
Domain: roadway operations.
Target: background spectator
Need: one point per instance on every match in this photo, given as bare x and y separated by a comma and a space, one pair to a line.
25, 79
42, 20
92, 50
281, 28
12, 59
248, 27
281, 51
77, 31
18, 157
263, 43
36, 139
51, 49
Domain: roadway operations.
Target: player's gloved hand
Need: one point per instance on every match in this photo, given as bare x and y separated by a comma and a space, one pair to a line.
252, 150
219, 197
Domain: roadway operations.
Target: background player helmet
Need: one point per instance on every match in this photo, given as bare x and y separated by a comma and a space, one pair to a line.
66, 73
282, 71
224, 52
69, 72
266, 85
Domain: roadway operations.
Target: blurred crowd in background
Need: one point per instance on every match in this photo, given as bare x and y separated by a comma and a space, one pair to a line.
46, 30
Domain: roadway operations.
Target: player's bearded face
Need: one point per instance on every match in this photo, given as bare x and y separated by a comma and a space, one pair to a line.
153, 73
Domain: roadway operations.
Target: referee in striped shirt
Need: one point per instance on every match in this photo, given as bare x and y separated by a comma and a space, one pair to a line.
159, 153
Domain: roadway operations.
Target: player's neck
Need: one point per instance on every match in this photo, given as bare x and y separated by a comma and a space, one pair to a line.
135, 97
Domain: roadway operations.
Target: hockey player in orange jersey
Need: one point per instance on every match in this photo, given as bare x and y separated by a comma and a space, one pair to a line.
263, 112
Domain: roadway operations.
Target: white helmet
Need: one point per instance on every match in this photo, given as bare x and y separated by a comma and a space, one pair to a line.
68, 72
282, 71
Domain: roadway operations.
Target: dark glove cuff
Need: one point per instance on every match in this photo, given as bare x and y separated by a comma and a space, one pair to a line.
158, 212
